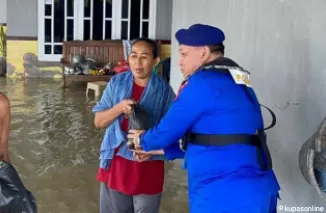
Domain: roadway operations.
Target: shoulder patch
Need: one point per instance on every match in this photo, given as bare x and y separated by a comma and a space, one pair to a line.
240, 77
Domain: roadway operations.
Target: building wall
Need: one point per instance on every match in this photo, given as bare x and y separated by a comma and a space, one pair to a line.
163, 19
283, 44
22, 45
22, 18
163, 26
22, 42
3, 11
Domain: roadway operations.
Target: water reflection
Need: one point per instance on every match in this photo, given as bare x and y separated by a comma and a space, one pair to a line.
55, 148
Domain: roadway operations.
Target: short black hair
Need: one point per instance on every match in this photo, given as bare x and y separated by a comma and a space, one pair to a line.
151, 42
217, 48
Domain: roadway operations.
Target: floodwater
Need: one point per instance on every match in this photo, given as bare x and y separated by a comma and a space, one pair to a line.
54, 146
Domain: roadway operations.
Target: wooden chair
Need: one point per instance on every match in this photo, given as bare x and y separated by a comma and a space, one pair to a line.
97, 86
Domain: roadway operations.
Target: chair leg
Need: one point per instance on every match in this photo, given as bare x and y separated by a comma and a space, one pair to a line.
97, 92
87, 91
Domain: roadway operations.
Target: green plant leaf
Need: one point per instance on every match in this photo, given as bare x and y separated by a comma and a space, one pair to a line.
3, 43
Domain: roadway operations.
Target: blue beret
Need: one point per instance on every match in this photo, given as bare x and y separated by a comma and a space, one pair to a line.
200, 35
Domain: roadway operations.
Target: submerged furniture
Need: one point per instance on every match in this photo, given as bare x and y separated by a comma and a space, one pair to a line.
103, 52
97, 86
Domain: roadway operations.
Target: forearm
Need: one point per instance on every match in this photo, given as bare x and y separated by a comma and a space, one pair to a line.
169, 130
4, 121
182, 114
171, 153
5, 125
105, 118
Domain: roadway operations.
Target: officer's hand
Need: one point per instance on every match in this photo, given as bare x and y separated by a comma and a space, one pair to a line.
125, 106
142, 157
134, 136
155, 152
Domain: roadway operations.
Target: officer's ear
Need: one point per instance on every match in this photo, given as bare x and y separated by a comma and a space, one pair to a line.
205, 53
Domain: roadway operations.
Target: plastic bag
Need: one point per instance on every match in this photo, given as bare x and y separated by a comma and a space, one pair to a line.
122, 66
139, 119
14, 197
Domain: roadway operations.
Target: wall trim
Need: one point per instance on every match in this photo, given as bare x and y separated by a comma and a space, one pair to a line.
21, 38
163, 41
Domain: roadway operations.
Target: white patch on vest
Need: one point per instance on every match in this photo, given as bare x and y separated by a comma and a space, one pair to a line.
240, 77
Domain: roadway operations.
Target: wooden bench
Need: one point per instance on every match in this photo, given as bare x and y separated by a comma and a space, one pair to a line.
106, 51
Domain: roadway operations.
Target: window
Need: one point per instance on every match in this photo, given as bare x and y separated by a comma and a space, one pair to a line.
66, 20
134, 19
97, 20
56, 24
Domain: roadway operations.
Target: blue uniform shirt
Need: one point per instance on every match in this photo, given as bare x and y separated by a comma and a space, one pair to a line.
212, 103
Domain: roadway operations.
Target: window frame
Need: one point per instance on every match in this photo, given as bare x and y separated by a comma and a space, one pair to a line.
79, 22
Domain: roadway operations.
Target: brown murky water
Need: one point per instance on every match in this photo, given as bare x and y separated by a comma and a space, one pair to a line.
55, 147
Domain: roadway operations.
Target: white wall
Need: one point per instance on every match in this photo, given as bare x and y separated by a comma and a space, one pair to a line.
283, 44
3, 11
22, 19
163, 19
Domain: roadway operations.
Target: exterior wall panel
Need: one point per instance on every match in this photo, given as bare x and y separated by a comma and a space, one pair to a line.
22, 18
283, 44
3, 11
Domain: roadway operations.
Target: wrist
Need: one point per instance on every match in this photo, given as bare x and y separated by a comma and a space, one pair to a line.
118, 109
3, 147
158, 152
3, 144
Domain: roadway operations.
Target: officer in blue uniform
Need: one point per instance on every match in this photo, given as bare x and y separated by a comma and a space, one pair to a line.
218, 117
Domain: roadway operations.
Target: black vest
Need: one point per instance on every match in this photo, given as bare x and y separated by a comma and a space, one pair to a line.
259, 140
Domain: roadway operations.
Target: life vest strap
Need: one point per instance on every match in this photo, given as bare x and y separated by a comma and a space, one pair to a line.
222, 140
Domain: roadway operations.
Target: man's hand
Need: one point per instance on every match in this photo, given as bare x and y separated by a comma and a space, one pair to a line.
4, 155
5, 116
125, 106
